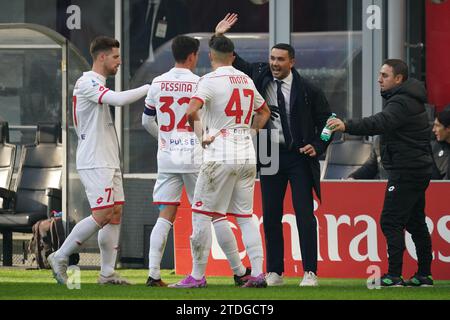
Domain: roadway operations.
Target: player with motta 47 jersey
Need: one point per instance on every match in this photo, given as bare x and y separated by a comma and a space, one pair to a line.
225, 185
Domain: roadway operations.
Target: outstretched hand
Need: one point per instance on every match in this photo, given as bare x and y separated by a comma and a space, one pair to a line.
336, 124
226, 24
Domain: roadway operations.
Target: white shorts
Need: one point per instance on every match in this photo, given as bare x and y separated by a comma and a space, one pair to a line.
169, 186
104, 187
225, 189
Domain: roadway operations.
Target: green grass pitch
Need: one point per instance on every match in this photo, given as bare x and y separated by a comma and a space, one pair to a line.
18, 284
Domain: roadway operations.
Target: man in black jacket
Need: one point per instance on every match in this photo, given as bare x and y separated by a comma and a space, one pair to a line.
406, 155
441, 147
299, 113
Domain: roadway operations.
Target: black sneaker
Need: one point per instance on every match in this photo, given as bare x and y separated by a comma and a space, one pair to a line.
239, 281
420, 281
391, 281
155, 283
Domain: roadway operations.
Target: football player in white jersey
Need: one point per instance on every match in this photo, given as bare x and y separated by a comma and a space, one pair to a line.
179, 151
226, 180
98, 161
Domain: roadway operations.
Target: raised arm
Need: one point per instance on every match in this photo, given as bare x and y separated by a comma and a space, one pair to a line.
226, 23
224, 26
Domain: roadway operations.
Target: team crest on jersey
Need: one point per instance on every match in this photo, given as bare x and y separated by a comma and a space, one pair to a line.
99, 200
198, 204
94, 83
224, 132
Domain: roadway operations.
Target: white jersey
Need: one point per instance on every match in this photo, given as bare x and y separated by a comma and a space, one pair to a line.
97, 140
229, 99
179, 150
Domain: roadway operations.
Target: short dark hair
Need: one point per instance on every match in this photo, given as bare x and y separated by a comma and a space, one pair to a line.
287, 47
444, 118
398, 67
101, 44
183, 46
221, 44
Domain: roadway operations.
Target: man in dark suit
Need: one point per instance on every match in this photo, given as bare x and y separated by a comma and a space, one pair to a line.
299, 113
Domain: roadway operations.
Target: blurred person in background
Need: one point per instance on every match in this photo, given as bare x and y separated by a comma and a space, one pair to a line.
441, 147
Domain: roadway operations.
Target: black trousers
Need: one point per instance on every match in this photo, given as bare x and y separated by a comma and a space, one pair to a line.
404, 209
294, 168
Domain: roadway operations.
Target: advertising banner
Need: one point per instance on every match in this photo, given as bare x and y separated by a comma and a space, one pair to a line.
350, 240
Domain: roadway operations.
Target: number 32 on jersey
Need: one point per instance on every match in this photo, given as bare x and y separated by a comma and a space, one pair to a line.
167, 103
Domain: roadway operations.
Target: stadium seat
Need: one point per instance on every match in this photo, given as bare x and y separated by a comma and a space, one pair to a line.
7, 157
37, 188
344, 156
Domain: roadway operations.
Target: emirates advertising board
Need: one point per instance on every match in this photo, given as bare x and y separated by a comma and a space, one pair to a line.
350, 241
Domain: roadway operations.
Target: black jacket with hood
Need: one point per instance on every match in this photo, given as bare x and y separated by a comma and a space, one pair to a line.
404, 129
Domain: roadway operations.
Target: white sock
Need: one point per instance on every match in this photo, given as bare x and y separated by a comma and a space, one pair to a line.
108, 241
228, 244
253, 244
158, 240
201, 240
82, 231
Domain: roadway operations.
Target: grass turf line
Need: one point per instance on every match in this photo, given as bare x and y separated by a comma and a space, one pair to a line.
39, 284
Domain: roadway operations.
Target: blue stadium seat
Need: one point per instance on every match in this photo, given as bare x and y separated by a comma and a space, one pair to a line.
345, 156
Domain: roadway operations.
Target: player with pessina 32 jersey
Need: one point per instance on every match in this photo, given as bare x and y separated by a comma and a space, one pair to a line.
179, 151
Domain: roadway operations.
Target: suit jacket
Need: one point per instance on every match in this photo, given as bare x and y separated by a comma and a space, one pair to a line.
309, 111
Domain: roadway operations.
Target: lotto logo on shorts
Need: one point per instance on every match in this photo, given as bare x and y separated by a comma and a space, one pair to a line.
99, 200
198, 204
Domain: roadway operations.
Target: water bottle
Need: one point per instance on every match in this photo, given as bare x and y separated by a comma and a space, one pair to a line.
326, 132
